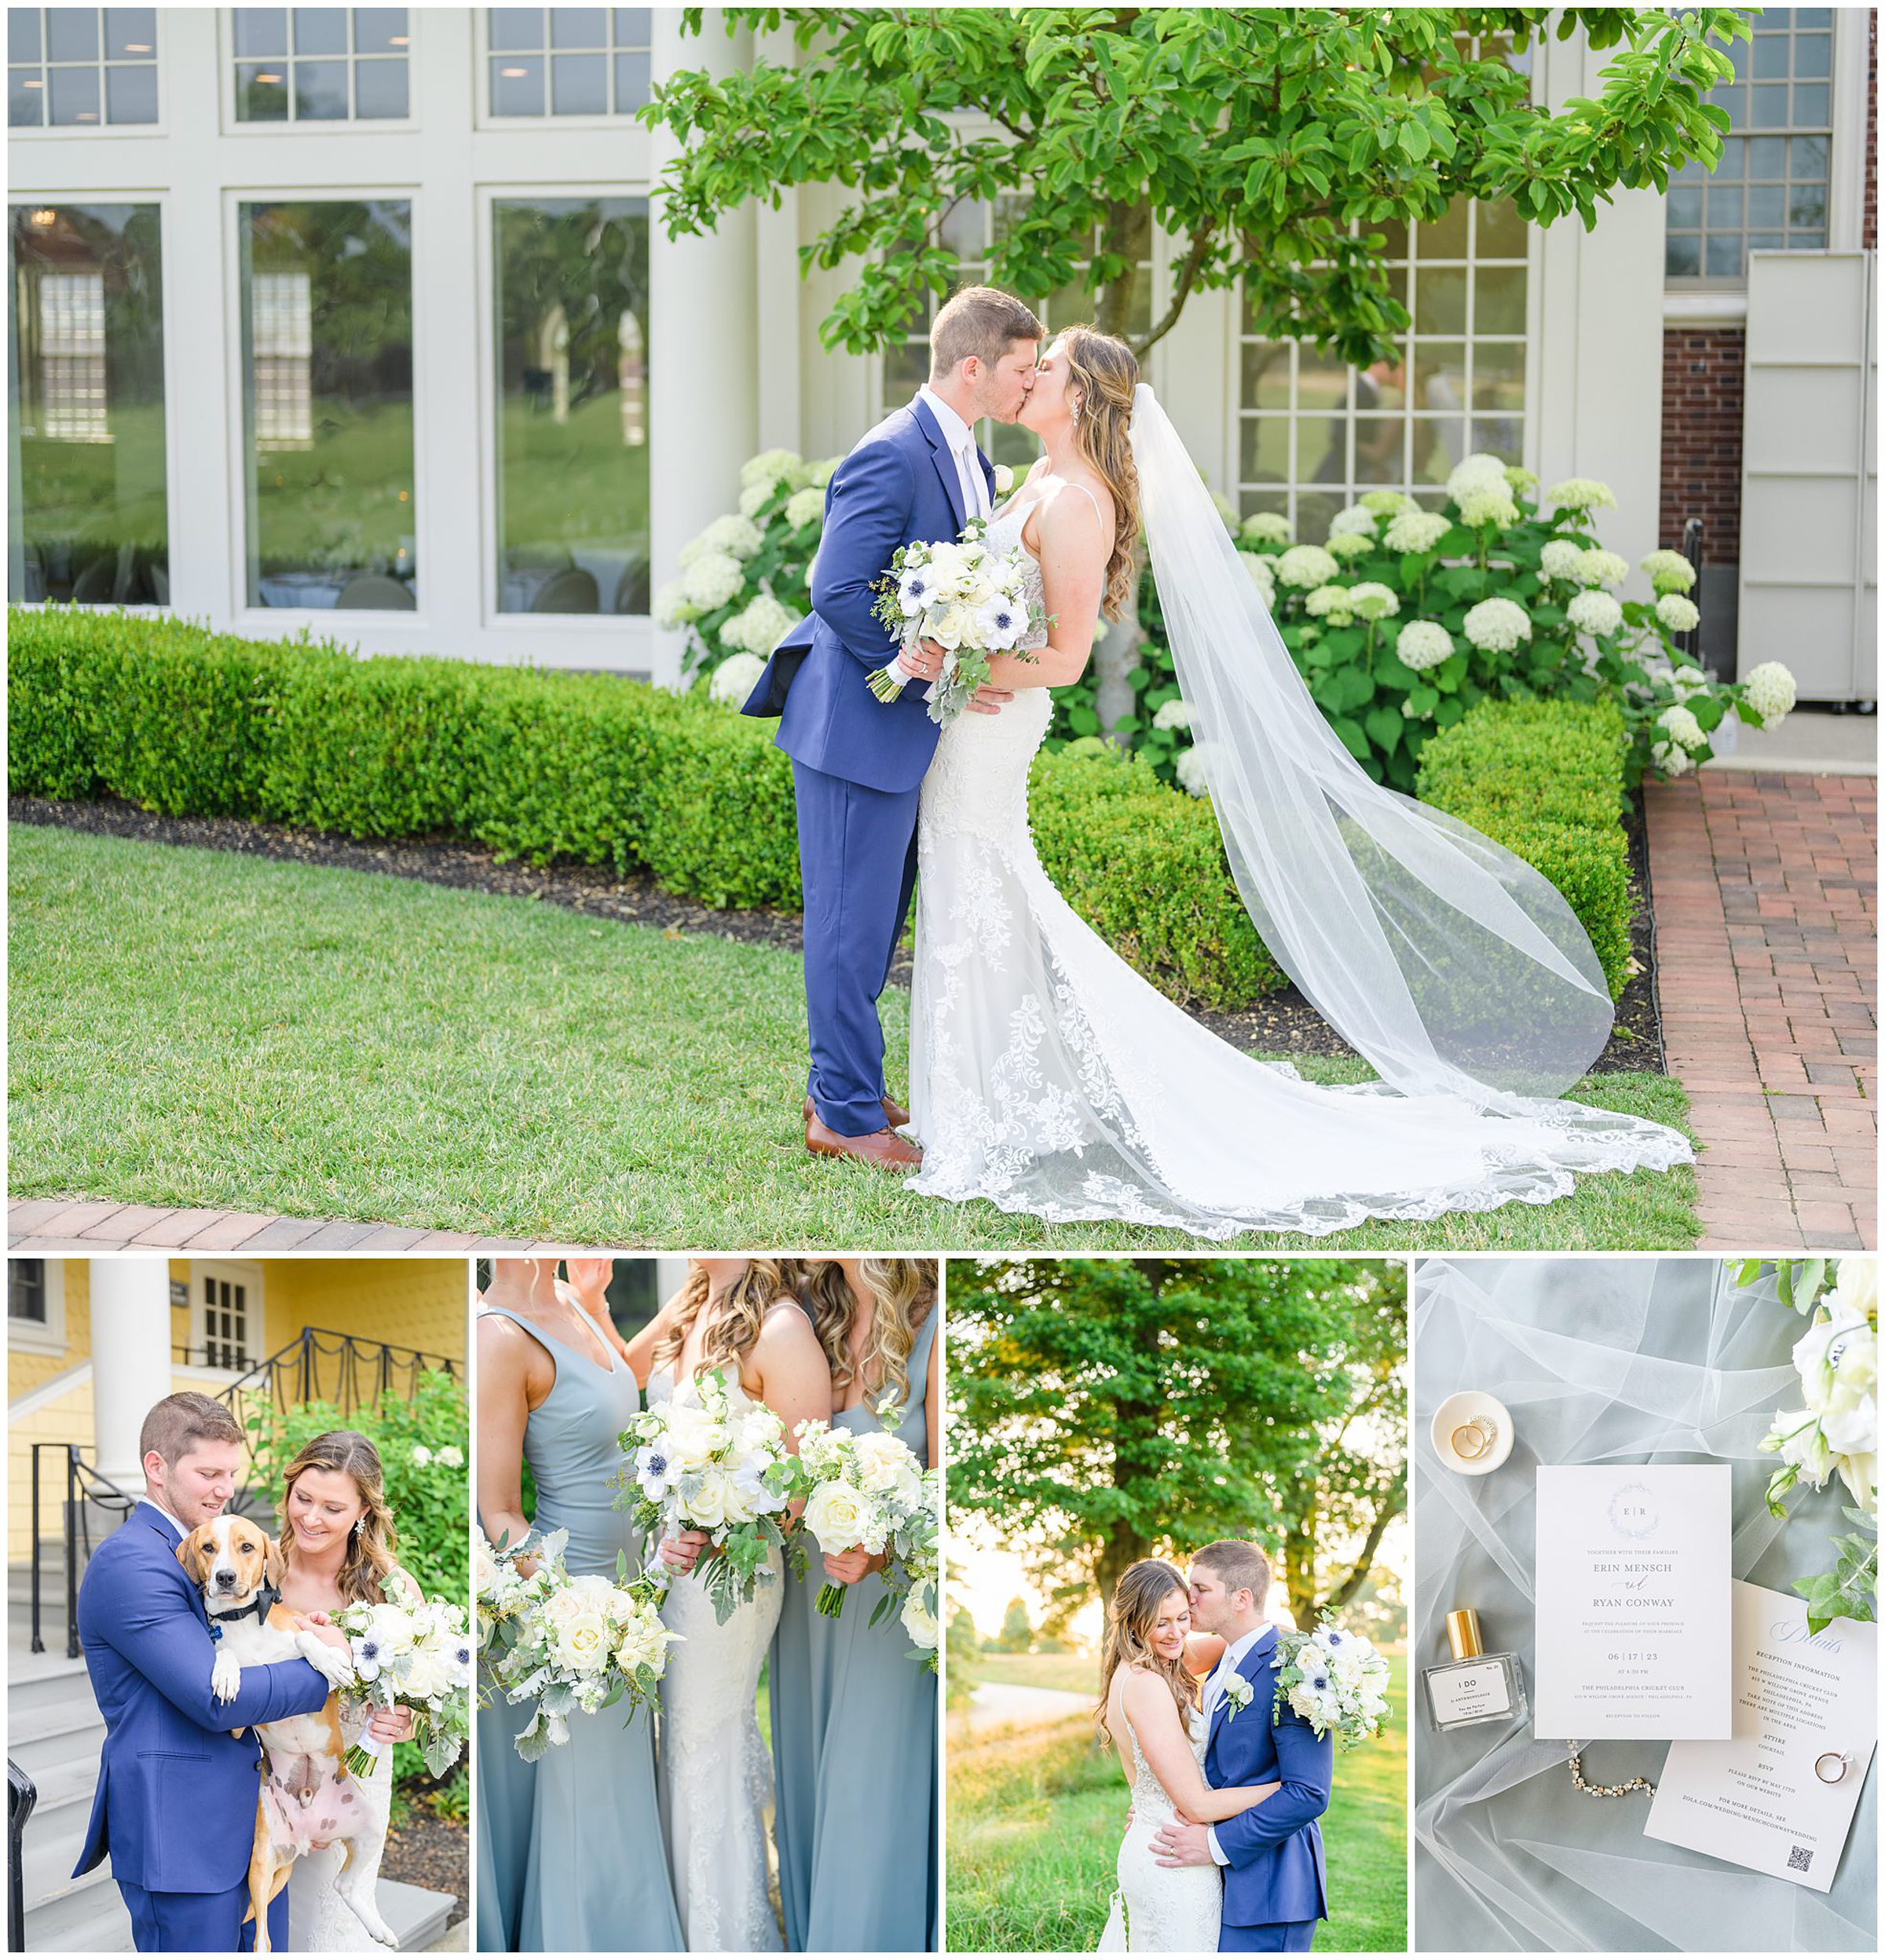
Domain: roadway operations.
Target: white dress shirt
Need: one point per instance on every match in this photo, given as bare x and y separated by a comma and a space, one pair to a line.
961, 440
169, 1517
1213, 1694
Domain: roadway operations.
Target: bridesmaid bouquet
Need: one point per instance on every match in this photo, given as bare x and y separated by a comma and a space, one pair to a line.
713, 1468
973, 602
574, 1646
915, 1575
1333, 1681
420, 1654
860, 1492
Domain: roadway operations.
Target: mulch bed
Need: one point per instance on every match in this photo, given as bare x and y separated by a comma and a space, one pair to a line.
1282, 1023
426, 1851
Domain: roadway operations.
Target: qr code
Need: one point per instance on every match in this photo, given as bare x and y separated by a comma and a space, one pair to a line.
1799, 1859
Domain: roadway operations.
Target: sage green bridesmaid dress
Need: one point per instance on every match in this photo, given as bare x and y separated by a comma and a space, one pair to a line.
854, 1736
593, 1876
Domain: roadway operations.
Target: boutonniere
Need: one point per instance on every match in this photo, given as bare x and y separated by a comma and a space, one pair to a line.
1237, 1693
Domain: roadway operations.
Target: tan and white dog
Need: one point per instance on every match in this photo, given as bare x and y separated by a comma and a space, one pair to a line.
307, 1800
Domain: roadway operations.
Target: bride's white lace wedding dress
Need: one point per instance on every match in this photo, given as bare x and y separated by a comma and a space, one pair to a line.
1047, 1076
1168, 1909
716, 1772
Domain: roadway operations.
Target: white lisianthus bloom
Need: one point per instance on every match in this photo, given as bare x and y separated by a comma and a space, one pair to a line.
1423, 644
1174, 714
1581, 493
672, 607
804, 507
1596, 566
1679, 724
644, 1643
1416, 530
1474, 471
1668, 571
712, 578
1346, 545
421, 1455
1672, 758
769, 467
1353, 516
1678, 614
1488, 502
918, 1621
1855, 1290
1497, 626
1595, 613
1803, 1443
735, 679
1560, 558
1768, 690
1267, 527
1329, 602
1373, 600
1305, 565
753, 499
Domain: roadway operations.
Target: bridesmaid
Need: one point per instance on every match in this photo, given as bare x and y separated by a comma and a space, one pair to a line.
573, 1852
854, 1717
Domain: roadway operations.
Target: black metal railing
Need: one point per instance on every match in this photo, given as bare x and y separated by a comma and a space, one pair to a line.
22, 1794
319, 1365
85, 1486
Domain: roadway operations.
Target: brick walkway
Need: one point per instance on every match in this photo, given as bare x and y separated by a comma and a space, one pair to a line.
91, 1225
1766, 914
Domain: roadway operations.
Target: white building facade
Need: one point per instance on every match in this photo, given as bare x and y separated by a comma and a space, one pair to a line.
364, 320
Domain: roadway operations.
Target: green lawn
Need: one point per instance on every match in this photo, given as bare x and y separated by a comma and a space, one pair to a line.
1076, 1673
1034, 1824
195, 1028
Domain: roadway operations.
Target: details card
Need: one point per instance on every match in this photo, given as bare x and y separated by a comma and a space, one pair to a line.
1779, 1798
1631, 1585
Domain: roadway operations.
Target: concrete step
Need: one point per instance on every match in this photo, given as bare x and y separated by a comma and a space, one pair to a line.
36, 1681
68, 1787
51, 1850
418, 1916
91, 1920
46, 1739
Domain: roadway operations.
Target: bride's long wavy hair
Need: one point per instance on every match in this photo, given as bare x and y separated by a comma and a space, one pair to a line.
905, 1293
371, 1542
1105, 372
1143, 1588
737, 1315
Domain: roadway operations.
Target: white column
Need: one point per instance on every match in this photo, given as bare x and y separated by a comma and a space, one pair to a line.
130, 1359
703, 308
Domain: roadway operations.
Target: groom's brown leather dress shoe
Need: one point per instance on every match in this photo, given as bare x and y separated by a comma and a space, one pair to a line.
894, 1114
883, 1148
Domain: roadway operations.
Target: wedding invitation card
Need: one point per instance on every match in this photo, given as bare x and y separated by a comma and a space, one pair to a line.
1806, 1711
1632, 1594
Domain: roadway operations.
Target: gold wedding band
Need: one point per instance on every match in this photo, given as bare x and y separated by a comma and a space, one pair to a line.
1473, 1438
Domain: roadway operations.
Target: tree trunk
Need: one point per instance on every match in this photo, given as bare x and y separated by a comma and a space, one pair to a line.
1115, 660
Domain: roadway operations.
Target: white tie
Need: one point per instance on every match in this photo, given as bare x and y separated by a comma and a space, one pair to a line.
1214, 1688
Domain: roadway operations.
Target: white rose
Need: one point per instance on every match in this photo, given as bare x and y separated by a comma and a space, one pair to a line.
839, 1518
692, 1435
886, 1465
712, 1499
1855, 1290
951, 627
1005, 480
582, 1642
919, 1622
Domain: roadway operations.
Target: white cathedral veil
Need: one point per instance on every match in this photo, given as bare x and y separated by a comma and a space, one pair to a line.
1452, 966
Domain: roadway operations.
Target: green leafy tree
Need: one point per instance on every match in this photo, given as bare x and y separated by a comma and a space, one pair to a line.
1266, 141
1017, 1634
1100, 1406
964, 1651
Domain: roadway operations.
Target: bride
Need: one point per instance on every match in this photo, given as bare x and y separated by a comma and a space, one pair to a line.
1149, 1674
715, 1769
1049, 1078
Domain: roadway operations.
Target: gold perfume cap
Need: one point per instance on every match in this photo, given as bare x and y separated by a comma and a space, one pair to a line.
1463, 1634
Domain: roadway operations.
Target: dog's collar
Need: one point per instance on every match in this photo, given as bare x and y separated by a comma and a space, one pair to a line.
261, 1606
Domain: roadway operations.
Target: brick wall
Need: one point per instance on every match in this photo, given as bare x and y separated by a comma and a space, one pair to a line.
1703, 390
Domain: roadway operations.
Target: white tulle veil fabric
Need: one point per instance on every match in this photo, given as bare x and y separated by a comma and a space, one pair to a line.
1451, 965
1599, 1360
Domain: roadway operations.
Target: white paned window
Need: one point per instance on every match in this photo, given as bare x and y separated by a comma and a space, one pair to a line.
321, 64
1769, 191
565, 61
80, 67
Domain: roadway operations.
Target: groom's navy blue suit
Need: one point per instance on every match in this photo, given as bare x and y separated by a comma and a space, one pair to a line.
175, 1806
1275, 1886
856, 762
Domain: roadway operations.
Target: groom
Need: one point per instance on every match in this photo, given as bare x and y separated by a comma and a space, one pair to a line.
175, 1806
856, 762
1275, 1886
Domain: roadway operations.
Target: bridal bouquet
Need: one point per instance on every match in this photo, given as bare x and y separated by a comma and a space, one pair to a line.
1333, 1681
973, 602
915, 1574
421, 1656
715, 1468
866, 1492
577, 1645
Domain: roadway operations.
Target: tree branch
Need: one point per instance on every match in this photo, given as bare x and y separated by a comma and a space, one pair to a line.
1188, 277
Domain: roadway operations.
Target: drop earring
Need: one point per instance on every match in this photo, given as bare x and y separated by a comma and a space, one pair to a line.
1076, 412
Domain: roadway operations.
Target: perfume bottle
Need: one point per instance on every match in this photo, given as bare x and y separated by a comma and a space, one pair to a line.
1473, 1686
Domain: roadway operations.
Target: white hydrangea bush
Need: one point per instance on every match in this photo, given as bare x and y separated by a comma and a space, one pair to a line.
745, 581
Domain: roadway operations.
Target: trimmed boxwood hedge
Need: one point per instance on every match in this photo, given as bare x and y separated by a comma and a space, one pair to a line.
1545, 780
540, 764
